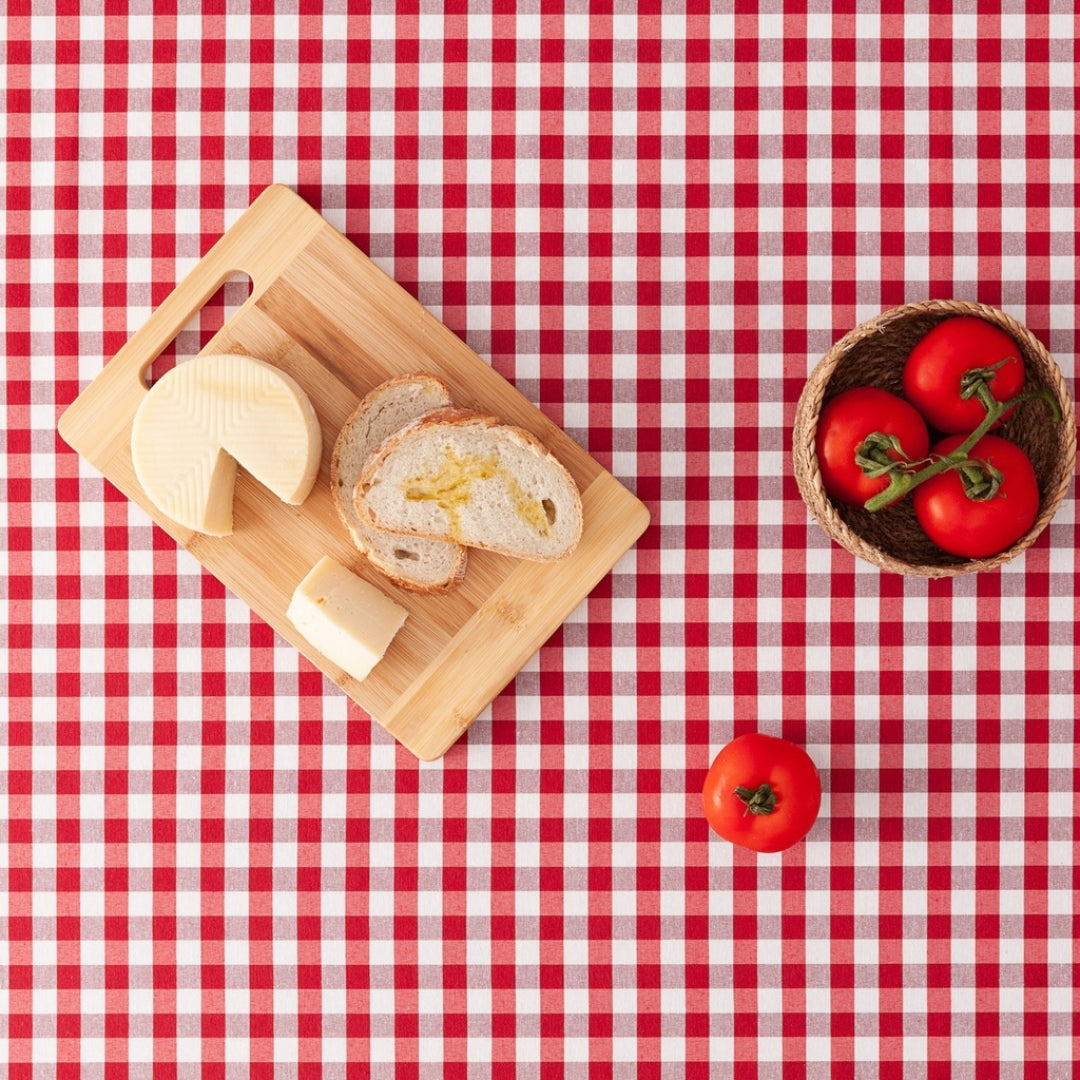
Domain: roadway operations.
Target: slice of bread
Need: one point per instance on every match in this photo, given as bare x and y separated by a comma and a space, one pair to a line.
415, 563
462, 476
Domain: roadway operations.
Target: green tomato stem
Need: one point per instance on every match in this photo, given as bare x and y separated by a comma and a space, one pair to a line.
759, 800
901, 482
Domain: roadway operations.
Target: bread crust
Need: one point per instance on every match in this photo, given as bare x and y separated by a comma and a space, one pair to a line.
364, 404
457, 574
456, 416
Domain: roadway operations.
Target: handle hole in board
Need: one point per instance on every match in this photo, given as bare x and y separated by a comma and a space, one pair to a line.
202, 326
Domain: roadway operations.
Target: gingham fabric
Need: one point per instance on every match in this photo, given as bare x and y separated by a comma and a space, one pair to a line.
653, 220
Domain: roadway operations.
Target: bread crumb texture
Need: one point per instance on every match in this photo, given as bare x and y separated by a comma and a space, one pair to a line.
467, 478
456, 480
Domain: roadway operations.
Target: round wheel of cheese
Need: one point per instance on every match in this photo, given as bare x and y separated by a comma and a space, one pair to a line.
211, 413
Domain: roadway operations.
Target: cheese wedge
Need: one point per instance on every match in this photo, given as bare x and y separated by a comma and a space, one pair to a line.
209, 414
348, 620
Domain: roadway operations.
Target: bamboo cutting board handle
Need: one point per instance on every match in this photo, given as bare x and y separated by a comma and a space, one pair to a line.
261, 243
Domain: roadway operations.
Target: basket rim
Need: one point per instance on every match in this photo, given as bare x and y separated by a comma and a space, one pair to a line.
804, 432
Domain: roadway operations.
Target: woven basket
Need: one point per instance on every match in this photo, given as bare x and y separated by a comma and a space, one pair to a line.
873, 354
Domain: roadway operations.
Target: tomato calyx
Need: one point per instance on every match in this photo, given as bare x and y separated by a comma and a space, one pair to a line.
981, 480
759, 800
977, 476
976, 381
880, 454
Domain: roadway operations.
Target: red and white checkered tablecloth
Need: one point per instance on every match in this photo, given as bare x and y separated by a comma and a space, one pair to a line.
654, 219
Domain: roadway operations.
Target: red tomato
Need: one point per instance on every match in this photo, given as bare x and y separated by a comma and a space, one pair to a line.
762, 793
972, 528
935, 366
845, 422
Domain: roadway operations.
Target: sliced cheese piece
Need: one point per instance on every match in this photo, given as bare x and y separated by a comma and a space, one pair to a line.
206, 415
348, 620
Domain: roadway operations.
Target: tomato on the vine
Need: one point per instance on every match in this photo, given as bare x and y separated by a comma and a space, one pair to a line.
843, 427
1005, 503
762, 792
961, 348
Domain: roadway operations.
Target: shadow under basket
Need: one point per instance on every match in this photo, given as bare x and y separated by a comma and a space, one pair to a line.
874, 354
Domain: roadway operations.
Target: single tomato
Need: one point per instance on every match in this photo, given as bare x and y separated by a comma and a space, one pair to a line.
762, 792
976, 528
843, 427
935, 371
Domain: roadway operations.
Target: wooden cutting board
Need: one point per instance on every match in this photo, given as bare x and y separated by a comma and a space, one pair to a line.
322, 311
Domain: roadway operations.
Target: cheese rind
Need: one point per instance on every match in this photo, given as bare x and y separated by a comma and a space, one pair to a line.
347, 619
206, 415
